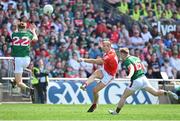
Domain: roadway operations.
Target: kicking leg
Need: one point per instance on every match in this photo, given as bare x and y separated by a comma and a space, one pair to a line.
96, 74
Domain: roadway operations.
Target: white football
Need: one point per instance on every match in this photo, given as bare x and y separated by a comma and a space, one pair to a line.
48, 9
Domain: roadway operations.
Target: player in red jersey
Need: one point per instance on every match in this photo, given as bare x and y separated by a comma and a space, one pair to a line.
105, 73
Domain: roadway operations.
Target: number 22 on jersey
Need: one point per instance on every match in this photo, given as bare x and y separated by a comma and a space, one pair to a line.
24, 41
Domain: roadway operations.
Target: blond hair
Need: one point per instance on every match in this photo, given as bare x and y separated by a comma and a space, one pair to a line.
124, 50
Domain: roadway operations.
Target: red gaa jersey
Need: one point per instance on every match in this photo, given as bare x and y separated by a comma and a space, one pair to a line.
110, 62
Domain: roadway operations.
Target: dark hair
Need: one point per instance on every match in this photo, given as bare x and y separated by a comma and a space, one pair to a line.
22, 25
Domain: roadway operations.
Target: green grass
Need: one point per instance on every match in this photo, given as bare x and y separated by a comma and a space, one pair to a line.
78, 112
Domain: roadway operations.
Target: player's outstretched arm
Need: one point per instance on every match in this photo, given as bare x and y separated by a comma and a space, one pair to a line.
94, 61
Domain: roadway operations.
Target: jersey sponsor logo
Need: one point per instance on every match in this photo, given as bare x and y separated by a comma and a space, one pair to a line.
68, 92
24, 41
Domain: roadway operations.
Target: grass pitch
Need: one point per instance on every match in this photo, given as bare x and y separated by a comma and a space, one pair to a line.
38, 112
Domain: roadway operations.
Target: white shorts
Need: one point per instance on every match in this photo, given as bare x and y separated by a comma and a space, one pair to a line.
21, 63
140, 83
106, 77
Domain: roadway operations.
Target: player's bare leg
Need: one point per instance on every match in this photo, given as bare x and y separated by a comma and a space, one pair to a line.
96, 96
18, 79
96, 74
160, 92
122, 101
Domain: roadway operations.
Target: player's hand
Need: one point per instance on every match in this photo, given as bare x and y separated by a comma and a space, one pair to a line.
80, 60
32, 27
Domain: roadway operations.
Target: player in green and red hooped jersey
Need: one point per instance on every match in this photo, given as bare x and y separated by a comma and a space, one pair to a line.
20, 51
138, 80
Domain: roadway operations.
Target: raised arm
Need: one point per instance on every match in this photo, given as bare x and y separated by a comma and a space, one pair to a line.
33, 30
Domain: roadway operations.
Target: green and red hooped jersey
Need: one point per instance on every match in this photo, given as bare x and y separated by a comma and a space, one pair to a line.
21, 43
138, 68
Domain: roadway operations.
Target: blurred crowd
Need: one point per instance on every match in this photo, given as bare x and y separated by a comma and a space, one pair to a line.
77, 28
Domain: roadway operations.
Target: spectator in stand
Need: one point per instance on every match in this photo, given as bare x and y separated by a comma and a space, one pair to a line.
164, 18
137, 52
78, 21
59, 69
145, 9
94, 51
168, 40
123, 7
150, 17
83, 40
145, 34
134, 27
114, 37
158, 11
175, 18
168, 11
70, 72
102, 37
89, 20
167, 68
124, 36
101, 28
100, 16
154, 64
177, 33
5, 50
73, 62
155, 32
136, 40
63, 55
149, 73
175, 62
6, 34
135, 13
21, 11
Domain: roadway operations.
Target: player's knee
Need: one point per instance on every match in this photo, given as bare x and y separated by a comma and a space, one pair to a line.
98, 74
18, 83
95, 91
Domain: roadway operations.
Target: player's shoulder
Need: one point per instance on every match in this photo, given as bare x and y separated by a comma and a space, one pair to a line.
29, 32
15, 32
133, 57
129, 59
112, 52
